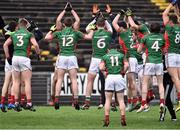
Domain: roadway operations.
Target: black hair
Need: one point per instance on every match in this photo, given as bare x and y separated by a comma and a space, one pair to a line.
173, 18
114, 46
155, 28
100, 22
123, 24
68, 21
12, 26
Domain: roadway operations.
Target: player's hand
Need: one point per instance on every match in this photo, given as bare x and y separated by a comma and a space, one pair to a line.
128, 12
68, 7
108, 9
95, 9
53, 28
173, 2
123, 73
33, 24
122, 12
9, 60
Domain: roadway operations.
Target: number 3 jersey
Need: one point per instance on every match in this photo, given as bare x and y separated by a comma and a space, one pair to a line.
21, 42
154, 42
114, 61
68, 39
172, 37
100, 42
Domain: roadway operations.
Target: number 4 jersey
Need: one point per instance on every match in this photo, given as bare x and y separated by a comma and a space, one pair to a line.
100, 42
21, 42
154, 42
68, 39
114, 61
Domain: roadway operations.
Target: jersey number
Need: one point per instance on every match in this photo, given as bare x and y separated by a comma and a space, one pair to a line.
155, 45
177, 39
114, 61
101, 43
20, 41
67, 41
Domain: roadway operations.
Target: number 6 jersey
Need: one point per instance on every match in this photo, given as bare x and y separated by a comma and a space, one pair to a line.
100, 42
21, 42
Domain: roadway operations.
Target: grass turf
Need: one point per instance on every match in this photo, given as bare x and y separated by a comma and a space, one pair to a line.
69, 118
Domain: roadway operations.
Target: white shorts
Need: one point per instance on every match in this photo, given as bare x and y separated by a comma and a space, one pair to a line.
153, 69
67, 62
94, 66
140, 69
21, 63
7, 67
172, 60
115, 83
133, 64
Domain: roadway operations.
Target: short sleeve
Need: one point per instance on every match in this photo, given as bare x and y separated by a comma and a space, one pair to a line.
79, 35
167, 27
55, 34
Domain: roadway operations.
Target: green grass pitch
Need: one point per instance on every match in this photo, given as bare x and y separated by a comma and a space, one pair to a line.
68, 118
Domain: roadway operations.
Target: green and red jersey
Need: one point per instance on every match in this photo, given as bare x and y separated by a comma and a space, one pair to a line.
68, 39
127, 43
100, 42
172, 37
21, 42
154, 42
114, 61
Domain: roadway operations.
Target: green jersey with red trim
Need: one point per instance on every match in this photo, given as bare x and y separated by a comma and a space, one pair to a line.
143, 30
68, 39
114, 61
21, 42
127, 43
100, 42
172, 37
154, 42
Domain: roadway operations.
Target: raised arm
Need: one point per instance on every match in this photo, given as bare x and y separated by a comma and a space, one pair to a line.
108, 26
89, 35
77, 20
49, 35
165, 14
115, 23
35, 44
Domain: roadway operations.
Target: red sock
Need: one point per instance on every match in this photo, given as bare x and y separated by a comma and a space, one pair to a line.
12, 99
161, 101
56, 99
178, 96
9, 98
29, 100
139, 98
23, 98
143, 102
134, 100
150, 93
52, 98
2, 100
106, 118
123, 117
129, 100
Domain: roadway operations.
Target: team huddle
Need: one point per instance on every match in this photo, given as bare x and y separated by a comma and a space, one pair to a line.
139, 55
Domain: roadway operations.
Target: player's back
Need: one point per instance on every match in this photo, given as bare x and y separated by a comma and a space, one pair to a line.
126, 38
21, 42
173, 38
100, 42
154, 43
114, 61
68, 39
